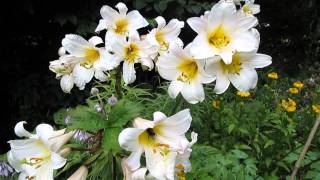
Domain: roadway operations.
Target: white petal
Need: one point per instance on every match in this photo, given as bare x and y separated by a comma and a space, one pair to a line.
173, 29
136, 20
139, 174
20, 131
247, 22
100, 75
45, 171
197, 24
107, 61
95, 40
44, 132
103, 24
193, 92
82, 76
108, 14
62, 51
259, 60
57, 161
160, 21
55, 143
177, 124
159, 166
222, 83
142, 123
158, 116
201, 49
133, 161
129, 73
112, 37
128, 139
245, 80
226, 57
245, 41
175, 88
122, 8
147, 62
66, 83
80, 174
75, 44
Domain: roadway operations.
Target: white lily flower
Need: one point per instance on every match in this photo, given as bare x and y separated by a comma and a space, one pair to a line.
185, 73
133, 51
119, 24
63, 67
79, 174
37, 157
128, 174
156, 139
165, 34
249, 8
183, 164
94, 61
222, 33
241, 72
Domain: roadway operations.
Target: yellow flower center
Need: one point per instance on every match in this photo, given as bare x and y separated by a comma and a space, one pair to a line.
161, 40
246, 9
91, 56
218, 38
189, 70
290, 105
216, 104
235, 65
131, 52
121, 26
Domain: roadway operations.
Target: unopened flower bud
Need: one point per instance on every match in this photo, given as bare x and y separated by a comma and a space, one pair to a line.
80, 174
94, 91
112, 100
65, 152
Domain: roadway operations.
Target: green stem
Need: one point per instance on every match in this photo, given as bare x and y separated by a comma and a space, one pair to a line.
118, 84
179, 102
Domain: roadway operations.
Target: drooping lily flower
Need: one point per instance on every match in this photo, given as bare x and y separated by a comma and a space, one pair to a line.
39, 155
185, 73
165, 34
133, 51
156, 139
241, 72
119, 24
94, 61
223, 32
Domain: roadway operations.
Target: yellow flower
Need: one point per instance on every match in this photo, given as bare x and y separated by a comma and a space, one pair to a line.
293, 90
298, 84
290, 105
243, 93
316, 108
273, 75
216, 104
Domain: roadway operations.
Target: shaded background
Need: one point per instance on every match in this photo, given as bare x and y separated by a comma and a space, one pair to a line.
290, 32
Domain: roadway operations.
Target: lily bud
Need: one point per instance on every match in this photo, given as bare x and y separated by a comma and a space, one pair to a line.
80, 174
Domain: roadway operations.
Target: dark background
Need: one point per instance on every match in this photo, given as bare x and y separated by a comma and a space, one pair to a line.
33, 29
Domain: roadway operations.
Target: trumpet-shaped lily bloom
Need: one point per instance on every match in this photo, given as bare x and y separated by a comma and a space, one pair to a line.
241, 72
249, 8
94, 61
37, 157
119, 24
165, 34
185, 73
156, 139
131, 52
222, 32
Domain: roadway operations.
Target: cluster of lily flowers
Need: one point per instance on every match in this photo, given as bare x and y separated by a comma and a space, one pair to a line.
224, 51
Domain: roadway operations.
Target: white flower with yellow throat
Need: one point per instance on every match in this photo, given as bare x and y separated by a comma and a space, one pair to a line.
222, 32
119, 24
93, 61
38, 156
156, 139
185, 73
